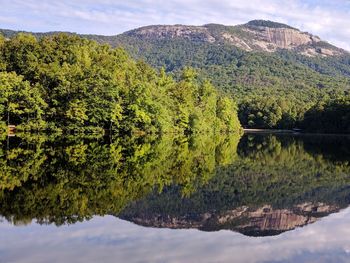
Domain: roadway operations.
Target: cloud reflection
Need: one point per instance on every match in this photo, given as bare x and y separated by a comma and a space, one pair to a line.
108, 239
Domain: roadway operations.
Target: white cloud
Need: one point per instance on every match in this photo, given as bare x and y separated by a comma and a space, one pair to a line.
328, 19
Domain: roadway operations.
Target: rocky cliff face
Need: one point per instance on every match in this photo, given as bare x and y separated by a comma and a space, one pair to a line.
254, 222
270, 39
254, 36
194, 33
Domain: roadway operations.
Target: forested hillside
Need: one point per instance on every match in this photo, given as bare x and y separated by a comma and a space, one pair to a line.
274, 90
281, 77
68, 83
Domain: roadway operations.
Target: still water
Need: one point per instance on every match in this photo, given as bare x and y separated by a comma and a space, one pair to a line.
255, 198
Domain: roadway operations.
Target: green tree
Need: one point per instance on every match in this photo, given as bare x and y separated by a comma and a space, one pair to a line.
20, 103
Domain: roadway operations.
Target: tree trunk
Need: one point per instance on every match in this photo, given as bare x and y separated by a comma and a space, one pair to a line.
8, 116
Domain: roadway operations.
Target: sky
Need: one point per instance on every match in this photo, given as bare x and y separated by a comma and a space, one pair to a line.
328, 19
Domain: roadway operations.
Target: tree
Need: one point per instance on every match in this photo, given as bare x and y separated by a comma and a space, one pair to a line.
84, 86
20, 103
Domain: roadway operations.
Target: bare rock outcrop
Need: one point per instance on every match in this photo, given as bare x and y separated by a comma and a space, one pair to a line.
177, 31
280, 38
257, 35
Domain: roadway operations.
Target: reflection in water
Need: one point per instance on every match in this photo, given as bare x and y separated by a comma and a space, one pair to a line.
258, 185
274, 185
109, 239
262, 221
64, 180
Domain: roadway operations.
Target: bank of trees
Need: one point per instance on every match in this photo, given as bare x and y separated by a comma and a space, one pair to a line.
86, 86
69, 83
273, 90
270, 112
330, 115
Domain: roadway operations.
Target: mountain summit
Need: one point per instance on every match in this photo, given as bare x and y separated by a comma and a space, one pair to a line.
278, 74
256, 35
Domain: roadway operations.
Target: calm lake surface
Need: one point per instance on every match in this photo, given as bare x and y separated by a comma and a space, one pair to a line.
255, 198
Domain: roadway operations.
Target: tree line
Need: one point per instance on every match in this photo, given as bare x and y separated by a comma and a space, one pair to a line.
67, 83
330, 115
273, 90
79, 85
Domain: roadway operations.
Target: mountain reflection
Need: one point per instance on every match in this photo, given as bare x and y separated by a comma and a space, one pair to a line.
257, 185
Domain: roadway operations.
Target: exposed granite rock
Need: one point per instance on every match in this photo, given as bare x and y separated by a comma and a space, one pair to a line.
198, 33
256, 35
279, 37
236, 41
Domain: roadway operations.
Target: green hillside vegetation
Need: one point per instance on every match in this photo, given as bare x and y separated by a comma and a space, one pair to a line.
65, 82
267, 23
272, 90
283, 85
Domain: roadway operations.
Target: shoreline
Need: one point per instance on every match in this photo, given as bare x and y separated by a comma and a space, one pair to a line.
292, 132
269, 131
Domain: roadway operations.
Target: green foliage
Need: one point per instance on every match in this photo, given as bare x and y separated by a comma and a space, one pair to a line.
267, 23
227, 121
332, 116
281, 86
20, 103
271, 112
2, 44
74, 84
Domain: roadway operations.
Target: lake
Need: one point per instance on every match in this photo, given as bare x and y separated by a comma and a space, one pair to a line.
207, 198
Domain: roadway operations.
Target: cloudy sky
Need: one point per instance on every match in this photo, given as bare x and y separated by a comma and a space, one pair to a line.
328, 19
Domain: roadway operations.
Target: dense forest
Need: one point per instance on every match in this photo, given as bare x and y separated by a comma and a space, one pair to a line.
67, 83
273, 90
282, 90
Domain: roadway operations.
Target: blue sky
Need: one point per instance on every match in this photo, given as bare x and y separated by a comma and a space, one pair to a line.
328, 19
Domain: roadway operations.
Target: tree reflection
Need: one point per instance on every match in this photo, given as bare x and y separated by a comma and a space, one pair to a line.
61, 180
257, 184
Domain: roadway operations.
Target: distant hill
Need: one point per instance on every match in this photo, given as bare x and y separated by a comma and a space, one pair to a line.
176, 46
257, 35
259, 58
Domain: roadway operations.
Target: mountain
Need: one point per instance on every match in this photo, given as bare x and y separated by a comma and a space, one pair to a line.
203, 46
276, 73
275, 184
257, 35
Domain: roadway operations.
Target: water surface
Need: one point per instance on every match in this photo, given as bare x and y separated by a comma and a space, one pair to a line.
258, 198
